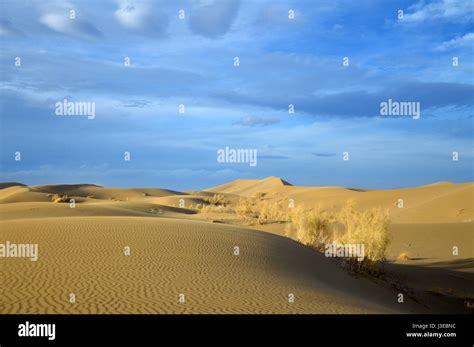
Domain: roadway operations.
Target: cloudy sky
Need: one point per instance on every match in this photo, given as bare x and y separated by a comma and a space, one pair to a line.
81, 56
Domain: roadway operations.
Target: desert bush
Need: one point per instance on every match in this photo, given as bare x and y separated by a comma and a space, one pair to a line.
217, 203
316, 228
271, 212
367, 227
217, 200
57, 198
246, 210
257, 210
403, 256
310, 227
215, 208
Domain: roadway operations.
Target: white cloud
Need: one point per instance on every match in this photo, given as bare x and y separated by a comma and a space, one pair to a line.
458, 42
442, 9
132, 14
61, 22
56, 22
141, 16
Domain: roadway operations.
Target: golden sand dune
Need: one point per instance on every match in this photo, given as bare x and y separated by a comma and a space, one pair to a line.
190, 200
432, 243
85, 256
174, 251
27, 210
10, 184
437, 203
200, 193
80, 192
21, 194
98, 192
249, 187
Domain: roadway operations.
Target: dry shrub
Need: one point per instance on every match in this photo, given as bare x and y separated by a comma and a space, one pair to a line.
257, 210
246, 210
310, 227
217, 203
217, 200
58, 198
270, 212
214, 208
367, 227
316, 228
403, 256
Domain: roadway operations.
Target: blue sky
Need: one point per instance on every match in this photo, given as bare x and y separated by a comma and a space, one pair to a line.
283, 61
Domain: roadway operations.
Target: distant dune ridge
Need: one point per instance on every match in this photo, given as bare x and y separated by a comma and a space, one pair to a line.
439, 202
248, 187
10, 184
177, 246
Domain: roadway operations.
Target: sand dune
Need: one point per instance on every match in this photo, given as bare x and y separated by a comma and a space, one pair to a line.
249, 187
21, 194
173, 250
443, 202
85, 256
29, 210
190, 200
10, 184
84, 190
428, 243
78, 191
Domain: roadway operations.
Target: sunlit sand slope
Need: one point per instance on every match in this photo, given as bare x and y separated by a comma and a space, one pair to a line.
436, 203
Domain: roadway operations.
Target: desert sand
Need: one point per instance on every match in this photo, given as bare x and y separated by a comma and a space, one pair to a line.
183, 260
